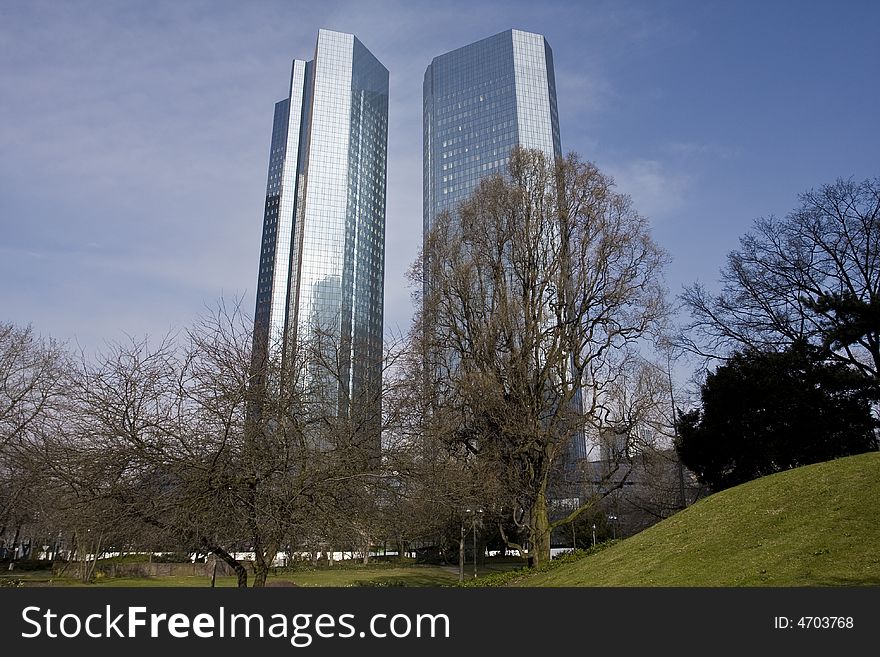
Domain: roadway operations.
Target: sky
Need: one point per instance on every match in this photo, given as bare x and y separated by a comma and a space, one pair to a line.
134, 136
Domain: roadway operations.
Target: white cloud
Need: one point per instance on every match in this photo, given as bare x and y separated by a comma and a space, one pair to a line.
690, 149
656, 189
582, 92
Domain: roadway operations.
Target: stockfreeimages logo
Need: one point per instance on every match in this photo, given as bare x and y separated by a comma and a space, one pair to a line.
300, 629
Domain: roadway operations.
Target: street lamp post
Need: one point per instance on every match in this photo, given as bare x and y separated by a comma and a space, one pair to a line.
461, 549
475, 512
613, 519
594, 534
475, 547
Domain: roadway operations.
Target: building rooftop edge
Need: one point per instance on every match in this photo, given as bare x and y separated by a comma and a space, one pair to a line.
493, 36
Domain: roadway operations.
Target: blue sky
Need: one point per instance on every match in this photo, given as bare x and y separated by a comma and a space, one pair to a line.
134, 136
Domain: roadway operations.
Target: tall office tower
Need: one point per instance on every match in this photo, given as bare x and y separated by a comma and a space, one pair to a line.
480, 101
323, 250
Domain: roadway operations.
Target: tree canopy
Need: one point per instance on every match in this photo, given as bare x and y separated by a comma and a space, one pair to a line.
763, 412
535, 291
812, 276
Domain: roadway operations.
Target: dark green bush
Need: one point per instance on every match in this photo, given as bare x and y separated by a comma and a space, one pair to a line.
29, 564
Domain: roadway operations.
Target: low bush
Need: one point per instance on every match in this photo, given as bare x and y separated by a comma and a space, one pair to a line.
28, 564
510, 576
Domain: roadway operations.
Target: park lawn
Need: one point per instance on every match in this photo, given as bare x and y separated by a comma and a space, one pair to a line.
812, 526
36, 579
420, 575
379, 575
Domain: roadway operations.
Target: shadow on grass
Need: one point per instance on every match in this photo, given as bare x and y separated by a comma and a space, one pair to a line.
846, 581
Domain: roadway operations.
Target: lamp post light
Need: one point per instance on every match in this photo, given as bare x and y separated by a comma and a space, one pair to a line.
475, 512
594, 534
613, 519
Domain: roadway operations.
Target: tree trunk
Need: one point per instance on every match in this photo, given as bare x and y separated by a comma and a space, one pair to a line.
240, 571
90, 572
15, 543
539, 551
261, 571
263, 560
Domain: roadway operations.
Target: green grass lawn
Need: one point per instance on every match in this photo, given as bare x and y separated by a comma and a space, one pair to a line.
377, 575
818, 525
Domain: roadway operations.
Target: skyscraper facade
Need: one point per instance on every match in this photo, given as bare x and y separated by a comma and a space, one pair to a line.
322, 254
479, 102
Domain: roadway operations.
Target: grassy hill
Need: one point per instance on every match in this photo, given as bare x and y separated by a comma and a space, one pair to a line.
818, 525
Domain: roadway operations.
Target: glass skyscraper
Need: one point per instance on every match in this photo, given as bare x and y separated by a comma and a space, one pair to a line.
480, 101
322, 255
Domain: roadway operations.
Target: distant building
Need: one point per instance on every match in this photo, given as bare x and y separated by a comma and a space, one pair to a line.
633, 487
479, 102
323, 249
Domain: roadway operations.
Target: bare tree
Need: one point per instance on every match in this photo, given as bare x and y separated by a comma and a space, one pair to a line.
235, 454
534, 290
159, 433
813, 276
31, 371
195, 442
